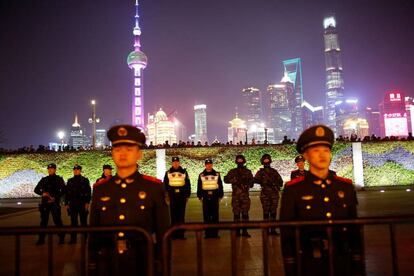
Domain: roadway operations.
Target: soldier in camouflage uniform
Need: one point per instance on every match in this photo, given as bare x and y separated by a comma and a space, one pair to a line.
241, 180
271, 182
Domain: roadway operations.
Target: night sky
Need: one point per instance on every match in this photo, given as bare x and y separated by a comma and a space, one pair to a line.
55, 56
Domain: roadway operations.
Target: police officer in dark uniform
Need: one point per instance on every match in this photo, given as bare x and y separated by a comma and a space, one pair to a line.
320, 195
270, 182
241, 179
300, 163
128, 199
210, 192
106, 175
51, 188
77, 199
177, 184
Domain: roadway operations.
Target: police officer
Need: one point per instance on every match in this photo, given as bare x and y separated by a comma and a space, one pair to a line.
106, 175
77, 199
127, 199
300, 163
270, 182
51, 188
177, 184
210, 192
241, 180
320, 195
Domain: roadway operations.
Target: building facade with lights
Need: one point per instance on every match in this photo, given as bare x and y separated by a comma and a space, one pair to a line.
344, 110
394, 121
160, 129
293, 70
77, 137
333, 67
312, 115
373, 117
252, 105
200, 121
137, 61
282, 108
100, 138
237, 130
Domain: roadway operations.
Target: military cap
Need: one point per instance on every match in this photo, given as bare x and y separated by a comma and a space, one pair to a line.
314, 136
77, 167
240, 157
175, 158
51, 166
208, 161
299, 158
107, 167
126, 134
264, 157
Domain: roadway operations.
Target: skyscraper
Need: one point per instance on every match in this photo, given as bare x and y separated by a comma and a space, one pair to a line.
200, 119
282, 108
161, 129
333, 66
293, 69
252, 105
76, 135
312, 115
137, 61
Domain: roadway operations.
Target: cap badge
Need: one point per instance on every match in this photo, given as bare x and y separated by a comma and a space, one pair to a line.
320, 132
122, 131
142, 195
341, 194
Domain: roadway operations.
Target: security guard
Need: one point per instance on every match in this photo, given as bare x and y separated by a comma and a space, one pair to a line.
320, 195
127, 199
300, 163
177, 184
210, 192
106, 175
77, 199
51, 188
270, 182
241, 179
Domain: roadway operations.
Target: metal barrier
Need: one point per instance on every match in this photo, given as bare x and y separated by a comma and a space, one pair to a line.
265, 225
20, 231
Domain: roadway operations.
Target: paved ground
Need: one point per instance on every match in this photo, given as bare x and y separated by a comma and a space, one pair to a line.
217, 252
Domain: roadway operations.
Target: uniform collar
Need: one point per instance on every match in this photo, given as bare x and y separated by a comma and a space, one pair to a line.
129, 179
318, 181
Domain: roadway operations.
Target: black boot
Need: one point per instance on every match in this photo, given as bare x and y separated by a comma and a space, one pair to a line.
273, 231
236, 218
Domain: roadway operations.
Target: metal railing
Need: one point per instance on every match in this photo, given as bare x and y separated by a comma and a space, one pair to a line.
25, 231
198, 228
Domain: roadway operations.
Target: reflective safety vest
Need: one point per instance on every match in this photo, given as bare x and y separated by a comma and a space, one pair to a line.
209, 182
176, 179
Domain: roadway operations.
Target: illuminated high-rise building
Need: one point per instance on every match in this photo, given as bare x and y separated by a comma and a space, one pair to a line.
252, 105
200, 120
160, 129
312, 115
282, 108
333, 66
137, 61
373, 117
344, 110
100, 138
293, 69
77, 137
236, 132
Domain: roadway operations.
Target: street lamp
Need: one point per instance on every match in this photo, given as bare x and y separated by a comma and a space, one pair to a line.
94, 120
61, 135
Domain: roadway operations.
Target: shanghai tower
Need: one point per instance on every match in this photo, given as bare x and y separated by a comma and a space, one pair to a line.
137, 61
334, 80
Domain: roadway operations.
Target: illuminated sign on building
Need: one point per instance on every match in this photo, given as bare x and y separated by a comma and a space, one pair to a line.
395, 97
396, 124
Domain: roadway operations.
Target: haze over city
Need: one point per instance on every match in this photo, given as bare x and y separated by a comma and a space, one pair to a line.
58, 55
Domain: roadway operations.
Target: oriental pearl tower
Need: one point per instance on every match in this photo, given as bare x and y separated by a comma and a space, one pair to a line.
137, 61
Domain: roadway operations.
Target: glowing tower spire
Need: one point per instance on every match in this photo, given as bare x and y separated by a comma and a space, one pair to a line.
137, 61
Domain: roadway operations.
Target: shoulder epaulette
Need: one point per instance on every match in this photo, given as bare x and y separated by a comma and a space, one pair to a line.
347, 180
100, 182
295, 181
151, 178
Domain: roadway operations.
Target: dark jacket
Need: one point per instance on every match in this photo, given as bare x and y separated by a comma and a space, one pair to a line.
78, 191
52, 184
214, 192
183, 191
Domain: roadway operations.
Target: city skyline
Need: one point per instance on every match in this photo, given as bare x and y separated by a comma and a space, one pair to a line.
58, 56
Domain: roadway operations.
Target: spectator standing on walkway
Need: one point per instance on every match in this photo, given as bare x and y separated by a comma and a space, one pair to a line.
300, 163
241, 180
177, 184
210, 192
127, 199
77, 199
51, 188
270, 182
320, 195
